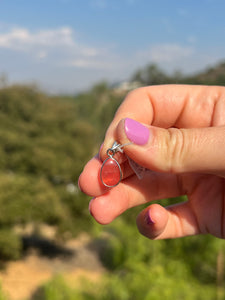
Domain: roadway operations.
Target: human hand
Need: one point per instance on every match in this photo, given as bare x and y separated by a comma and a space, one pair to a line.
181, 139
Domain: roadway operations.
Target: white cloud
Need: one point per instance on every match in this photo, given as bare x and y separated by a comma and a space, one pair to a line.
187, 58
167, 53
55, 58
59, 45
169, 57
58, 60
42, 54
23, 39
96, 64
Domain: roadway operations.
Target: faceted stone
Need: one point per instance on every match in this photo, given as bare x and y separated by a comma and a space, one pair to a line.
110, 172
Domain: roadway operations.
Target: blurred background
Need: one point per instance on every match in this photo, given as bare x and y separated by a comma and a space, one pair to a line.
65, 66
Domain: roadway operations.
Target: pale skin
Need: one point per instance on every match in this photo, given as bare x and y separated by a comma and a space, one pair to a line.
185, 153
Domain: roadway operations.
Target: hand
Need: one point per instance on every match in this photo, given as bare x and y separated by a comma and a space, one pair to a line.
178, 134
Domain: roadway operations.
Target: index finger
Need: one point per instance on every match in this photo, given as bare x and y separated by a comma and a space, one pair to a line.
182, 106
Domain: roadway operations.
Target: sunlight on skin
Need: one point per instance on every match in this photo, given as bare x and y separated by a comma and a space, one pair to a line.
185, 146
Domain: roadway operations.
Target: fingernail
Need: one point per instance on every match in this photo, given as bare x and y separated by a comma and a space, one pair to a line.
89, 207
100, 151
148, 219
78, 183
101, 147
136, 132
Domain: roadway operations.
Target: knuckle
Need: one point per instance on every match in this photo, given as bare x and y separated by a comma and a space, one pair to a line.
177, 149
136, 92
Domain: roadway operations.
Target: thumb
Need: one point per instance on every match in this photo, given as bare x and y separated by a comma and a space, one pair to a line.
174, 150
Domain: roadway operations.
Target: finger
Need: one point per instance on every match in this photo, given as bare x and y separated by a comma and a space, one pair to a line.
174, 150
89, 181
157, 222
182, 106
132, 192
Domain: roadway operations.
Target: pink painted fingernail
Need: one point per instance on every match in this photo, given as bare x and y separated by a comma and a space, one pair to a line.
136, 132
148, 218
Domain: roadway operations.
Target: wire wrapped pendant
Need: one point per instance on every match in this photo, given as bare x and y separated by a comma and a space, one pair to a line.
111, 173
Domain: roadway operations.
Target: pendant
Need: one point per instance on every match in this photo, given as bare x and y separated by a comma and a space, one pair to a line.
111, 173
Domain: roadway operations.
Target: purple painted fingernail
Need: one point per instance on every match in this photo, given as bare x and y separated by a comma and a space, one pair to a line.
136, 132
78, 183
101, 147
100, 150
148, 218
89, 207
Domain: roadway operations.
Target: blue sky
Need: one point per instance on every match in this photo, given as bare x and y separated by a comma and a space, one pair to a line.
67, 45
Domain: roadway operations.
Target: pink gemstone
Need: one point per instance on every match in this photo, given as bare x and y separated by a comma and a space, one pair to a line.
110, 172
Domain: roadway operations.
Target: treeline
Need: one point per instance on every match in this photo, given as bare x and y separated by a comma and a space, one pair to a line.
152, 74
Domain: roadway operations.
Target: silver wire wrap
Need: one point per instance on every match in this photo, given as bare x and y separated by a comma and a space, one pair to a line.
116, 148
138, 170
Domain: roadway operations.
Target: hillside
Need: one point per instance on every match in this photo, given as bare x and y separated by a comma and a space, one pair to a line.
44, 143
152, 74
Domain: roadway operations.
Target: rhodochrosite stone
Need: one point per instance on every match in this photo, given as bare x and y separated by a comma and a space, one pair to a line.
110, 172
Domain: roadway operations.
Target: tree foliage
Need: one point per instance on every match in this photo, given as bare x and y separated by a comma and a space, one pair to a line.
153, 75
44, 144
